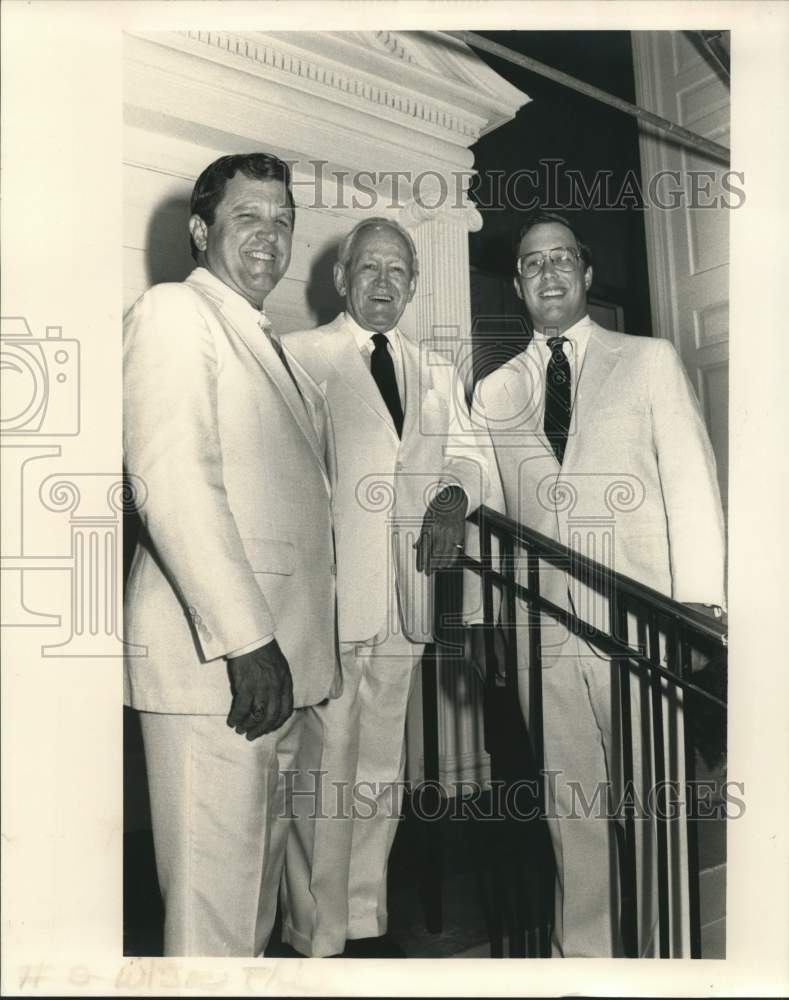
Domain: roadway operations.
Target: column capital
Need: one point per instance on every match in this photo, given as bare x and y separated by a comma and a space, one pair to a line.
465, 215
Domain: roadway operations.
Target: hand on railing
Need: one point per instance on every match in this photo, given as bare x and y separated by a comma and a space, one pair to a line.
699, 659
443, 531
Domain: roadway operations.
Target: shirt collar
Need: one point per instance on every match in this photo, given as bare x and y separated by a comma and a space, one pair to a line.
578, 333
364, 337
232, 300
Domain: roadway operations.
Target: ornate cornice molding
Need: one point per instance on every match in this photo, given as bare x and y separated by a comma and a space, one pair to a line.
391, 42
399, 102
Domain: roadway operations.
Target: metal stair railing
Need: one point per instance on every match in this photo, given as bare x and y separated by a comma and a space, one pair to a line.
666, 633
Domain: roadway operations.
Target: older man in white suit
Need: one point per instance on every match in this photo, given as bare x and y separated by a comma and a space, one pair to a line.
231, 590
390, 424
581, 410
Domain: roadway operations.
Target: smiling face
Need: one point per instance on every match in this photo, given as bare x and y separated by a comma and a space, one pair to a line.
377, 279
248, 244
555, 299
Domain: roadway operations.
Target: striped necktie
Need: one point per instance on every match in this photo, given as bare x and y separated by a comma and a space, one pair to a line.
558, 402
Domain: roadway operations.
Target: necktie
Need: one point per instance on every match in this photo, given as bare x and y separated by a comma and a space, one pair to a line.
382, 369
557, 397
265, 325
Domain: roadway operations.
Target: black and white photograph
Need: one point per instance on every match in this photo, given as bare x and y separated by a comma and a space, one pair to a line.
390, 471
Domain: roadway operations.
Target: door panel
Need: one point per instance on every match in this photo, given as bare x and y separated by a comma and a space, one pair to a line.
688, 236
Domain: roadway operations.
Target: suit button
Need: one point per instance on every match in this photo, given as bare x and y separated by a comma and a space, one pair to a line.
207, 635
333, 569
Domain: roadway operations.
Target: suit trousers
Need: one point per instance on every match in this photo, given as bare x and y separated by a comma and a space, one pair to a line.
335, 875
220, 824
585, 794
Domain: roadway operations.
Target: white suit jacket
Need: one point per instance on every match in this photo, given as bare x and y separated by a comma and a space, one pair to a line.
637, 489
237, 541
382, 484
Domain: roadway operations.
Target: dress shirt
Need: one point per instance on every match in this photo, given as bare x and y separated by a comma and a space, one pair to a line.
364, 341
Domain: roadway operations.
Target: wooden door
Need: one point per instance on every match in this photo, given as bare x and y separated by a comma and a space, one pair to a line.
689, 198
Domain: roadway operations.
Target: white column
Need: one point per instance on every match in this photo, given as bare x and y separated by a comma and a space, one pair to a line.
441, 311
442, 304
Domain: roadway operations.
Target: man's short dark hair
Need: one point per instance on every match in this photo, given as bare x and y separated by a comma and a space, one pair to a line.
210, 186
541, 217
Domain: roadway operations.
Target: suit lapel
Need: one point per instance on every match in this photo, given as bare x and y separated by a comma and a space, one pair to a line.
260, 347
416, 387
342, 353
517, 386
600, 360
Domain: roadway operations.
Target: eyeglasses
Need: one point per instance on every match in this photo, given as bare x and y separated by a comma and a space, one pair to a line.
562, 258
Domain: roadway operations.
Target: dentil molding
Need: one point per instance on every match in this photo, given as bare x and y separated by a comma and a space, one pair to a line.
423, 81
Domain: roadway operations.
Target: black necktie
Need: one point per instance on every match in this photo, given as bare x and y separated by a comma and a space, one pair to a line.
557, 398
382, 368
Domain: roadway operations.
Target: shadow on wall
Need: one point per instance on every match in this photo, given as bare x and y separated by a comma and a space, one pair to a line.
323, 300
167, 254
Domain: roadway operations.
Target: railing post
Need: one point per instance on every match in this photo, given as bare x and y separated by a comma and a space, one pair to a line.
659, 776
618, 628
433, 854
495, 915
535, 672
517, 924
679, 661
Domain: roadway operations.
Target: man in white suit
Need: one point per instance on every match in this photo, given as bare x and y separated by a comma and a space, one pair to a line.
231, 590
583, 423
388, 453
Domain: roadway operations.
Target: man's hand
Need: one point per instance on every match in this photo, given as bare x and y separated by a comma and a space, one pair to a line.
699, 660
443, 530
479, 658
262, 691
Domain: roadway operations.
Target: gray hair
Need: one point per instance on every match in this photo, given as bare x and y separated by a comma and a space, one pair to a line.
377, 222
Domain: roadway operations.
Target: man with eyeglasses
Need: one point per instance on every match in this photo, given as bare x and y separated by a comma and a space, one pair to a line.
584, 423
